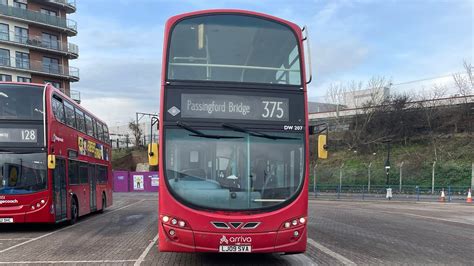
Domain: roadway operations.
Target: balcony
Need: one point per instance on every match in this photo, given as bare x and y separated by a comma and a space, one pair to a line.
40, 68
37, 42
75, 95
28, 16
68, 5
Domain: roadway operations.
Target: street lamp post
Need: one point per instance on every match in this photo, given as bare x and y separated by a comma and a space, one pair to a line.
401, 176
387, 165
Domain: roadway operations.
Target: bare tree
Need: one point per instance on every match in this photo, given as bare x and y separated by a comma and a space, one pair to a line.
358, 100
465, 81
137, 132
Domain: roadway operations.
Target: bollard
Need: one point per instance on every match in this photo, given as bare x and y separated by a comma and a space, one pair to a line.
389, 193
338, 192
363, 192
417, 193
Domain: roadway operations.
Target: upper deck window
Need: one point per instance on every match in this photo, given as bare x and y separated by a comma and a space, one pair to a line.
20, 102
234, 48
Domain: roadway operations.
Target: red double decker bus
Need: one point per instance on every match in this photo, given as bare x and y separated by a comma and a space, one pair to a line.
54, 157
233, 134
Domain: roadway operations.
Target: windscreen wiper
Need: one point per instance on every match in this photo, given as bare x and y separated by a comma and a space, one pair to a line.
253, 132
200, 134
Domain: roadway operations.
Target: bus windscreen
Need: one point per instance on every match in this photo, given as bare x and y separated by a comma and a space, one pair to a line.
19, 102
22, 173
234, 48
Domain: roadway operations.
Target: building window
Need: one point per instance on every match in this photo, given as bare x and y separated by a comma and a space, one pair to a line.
22, 60
4, 57
50, 41
20, 4
4, 77
50, 65
3, 2
21, 35
4, 32
49, 12
23, 79
55, 84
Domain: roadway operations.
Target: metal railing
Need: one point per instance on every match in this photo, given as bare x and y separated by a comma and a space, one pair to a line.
71, 3
75, 95
38, 41
38, 17
408, 193
39, 66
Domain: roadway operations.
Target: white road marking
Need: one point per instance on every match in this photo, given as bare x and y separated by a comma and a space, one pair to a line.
65, 262
67, 227
331, 253
145, 252
15, 239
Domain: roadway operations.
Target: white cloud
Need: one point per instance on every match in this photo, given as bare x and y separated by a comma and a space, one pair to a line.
114, 110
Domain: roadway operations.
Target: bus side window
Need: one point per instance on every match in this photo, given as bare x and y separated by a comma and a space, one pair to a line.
81, 124
58, 109
89, 128
106, 134
73, 174
101, 174
70, 115
83, 173
100, 131
96, 129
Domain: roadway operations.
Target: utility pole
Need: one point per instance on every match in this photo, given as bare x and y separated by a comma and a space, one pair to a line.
387, 165
340, 177
472, 176
433, 177
368, 182
401, 175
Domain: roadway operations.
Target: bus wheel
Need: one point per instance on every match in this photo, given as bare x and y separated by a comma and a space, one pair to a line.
104, 203
74, 212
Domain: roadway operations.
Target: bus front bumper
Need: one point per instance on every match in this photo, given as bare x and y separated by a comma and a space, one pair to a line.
24, 214
174, 239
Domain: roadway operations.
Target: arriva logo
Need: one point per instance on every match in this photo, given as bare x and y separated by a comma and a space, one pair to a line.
236, 239
224, 240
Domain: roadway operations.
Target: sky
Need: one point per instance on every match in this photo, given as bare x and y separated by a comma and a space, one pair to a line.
121, 42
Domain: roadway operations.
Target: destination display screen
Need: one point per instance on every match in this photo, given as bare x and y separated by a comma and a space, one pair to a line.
234, 107
18, 135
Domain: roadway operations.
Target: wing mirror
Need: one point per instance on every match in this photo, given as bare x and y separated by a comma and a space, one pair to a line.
51, 161
153, 154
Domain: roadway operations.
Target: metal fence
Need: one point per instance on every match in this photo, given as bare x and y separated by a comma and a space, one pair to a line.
409, 193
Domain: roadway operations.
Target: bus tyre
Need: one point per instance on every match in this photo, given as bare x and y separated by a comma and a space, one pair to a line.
74, 212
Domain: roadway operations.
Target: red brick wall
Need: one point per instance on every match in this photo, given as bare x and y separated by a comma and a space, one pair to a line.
35, 6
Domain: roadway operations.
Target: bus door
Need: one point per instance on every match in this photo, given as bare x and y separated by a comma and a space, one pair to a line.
92, 184
59, 192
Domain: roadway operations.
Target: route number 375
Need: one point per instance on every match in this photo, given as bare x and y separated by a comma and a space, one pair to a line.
273, 109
